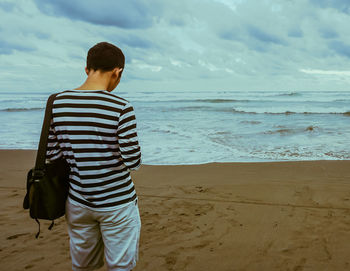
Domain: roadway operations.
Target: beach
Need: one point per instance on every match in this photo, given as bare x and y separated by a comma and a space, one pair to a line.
291, 215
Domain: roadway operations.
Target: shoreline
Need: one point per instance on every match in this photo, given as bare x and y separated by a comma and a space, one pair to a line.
211, 162
286, 215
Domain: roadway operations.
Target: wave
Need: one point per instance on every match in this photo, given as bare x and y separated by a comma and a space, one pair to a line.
338, 155
236, 111
341, 100
347, 113
220, 100
191, 108
250, 122
289, 94
205, 108
214, 101
22, 109
265, 99
287, 131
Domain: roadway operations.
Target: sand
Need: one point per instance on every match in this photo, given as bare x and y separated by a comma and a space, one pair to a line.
217, 216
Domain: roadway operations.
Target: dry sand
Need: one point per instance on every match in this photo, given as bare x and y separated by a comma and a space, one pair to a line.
218, 216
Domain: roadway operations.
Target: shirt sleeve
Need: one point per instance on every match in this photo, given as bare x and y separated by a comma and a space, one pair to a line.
128, 139
53, 151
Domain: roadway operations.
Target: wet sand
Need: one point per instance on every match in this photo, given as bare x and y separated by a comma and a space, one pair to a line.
217, 216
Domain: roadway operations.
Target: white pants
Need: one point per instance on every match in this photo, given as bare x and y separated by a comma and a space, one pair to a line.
95, 235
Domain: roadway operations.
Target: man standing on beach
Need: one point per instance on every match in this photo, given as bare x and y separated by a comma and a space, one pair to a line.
95, 131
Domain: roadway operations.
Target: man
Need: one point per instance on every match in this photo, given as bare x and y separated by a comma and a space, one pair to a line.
95, 131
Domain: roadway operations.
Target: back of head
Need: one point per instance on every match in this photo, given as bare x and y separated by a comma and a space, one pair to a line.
105, 57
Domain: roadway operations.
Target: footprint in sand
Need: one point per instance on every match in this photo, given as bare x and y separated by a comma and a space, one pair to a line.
200, 189
16, 236
202, 244
305, 195
171, 259
39, 259
300, 266
231, 208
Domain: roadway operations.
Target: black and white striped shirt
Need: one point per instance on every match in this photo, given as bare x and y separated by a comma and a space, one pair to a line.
95, 131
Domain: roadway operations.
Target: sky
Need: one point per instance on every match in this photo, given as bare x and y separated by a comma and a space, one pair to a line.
187, 45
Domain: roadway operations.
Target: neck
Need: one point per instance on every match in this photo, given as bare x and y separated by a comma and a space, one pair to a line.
96, 81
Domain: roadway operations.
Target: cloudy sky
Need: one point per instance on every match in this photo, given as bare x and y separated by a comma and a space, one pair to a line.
179, 45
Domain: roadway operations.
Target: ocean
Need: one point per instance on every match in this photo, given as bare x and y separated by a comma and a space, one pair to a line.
195, 127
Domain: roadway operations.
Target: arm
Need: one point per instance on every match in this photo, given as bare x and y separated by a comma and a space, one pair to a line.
53, 151
127, 138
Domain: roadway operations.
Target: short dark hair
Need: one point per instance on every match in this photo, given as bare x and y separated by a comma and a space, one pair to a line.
105, 56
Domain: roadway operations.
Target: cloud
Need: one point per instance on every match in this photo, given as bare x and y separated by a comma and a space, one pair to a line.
340, 48
176, 21
135, 41
130, 14
328, 33
325, 72
187, 44
7, 48
141, 65
7, 6
295, 33
232, 34
340, 5
264, 36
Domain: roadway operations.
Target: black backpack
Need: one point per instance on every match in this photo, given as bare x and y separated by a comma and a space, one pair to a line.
47, 183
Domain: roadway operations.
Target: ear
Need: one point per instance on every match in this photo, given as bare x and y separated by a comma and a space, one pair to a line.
117, 71
86, 71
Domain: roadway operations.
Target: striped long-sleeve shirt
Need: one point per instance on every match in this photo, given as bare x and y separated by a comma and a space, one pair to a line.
95, 131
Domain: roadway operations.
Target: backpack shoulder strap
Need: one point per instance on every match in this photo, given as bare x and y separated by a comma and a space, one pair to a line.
41, 154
